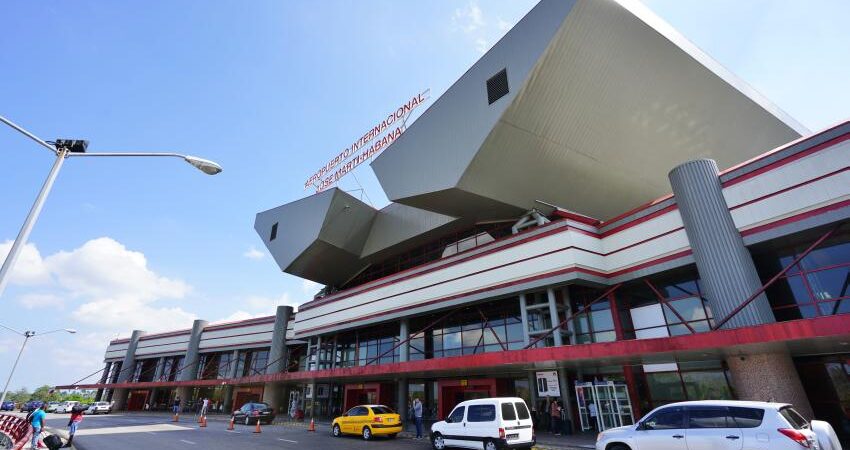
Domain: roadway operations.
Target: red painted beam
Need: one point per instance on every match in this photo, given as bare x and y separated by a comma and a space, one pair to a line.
796, 330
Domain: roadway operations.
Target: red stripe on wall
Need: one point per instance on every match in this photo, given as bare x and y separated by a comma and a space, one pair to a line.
721, 340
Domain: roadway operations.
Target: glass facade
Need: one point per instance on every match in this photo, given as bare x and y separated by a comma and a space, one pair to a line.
214, 366
819, 285
252, 362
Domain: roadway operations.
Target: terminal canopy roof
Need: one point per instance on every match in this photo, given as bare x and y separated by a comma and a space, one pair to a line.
586, 105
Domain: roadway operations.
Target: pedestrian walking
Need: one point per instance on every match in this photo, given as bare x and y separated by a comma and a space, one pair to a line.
205, 404
37, 422
593, 413
73, 423
417, 416
555, 417
176, 405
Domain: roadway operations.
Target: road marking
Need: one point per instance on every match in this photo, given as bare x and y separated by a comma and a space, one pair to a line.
287, 440
188, 442
232, 431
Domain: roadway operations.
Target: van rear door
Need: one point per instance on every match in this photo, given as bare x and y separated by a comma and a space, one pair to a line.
524, 430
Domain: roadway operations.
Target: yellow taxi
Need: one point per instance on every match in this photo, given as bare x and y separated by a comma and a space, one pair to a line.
368, 421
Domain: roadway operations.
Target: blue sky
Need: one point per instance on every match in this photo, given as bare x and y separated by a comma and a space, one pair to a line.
271, 90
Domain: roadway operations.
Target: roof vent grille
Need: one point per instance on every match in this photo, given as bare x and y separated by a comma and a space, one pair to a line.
497, 86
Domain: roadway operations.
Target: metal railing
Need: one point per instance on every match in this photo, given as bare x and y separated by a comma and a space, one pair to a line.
16, 430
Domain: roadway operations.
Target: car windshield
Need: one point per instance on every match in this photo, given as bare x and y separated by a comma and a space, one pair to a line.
382, 410
259, 406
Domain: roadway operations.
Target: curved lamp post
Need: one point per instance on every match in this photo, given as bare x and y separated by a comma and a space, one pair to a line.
27, 335
73, 149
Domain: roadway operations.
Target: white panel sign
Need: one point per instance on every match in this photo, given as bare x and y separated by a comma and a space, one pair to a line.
547, 384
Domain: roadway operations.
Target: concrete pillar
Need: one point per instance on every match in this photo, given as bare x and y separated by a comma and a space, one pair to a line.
119, 398
769, 377
568, 310
401, 400
728, 277
523, 313
271, 395
152, 398
189, 371
403, 334
128, 368
553, 314
726, 269
228, 399
277, 352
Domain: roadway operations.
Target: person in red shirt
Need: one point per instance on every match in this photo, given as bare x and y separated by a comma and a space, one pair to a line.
73, 423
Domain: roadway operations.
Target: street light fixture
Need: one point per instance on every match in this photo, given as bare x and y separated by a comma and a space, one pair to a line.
27, 335
67, 148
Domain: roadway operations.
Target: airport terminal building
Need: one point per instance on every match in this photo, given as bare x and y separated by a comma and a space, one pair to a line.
595, 211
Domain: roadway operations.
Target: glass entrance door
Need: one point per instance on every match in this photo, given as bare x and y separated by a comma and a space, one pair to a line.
603, 405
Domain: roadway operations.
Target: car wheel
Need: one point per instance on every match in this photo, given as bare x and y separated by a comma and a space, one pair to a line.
336, 431
438, 442
391, 436
619, 447
367, 433
490, 445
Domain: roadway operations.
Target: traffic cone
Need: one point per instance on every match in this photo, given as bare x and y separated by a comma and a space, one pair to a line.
257, 430
312, 425
200, 419
203, 422
176, 417
230, 427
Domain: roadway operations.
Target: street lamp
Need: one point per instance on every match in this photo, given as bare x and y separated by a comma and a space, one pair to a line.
65, 148
27, 335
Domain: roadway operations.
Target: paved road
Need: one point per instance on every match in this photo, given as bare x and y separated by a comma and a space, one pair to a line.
133, 431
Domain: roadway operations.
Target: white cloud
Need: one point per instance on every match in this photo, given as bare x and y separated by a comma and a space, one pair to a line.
470, 18
310, 287
479, 30
112, 286
258, 306
253, 253
29, 269
33, 301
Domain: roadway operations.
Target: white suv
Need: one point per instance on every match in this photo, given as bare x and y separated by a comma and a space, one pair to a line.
66, 407
100, 407
721, 425
488, 423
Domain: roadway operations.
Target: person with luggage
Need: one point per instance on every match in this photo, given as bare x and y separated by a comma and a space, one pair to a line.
176, 405
37, 421
73, 423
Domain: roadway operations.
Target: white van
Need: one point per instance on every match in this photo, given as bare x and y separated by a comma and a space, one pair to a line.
486, 423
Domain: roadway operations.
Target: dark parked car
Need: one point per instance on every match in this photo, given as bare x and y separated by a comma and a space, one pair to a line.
31, 405
253, 412
7, 406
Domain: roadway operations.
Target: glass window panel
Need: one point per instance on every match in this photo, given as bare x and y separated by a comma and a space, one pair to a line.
605, 336
665, 386
709, 418
451, 340
683, 288
689, 308
830, 284
708, 385
602, 320
514, 331
827, 256
839, 307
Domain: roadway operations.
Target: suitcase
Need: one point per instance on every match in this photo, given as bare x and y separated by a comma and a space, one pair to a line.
53, 442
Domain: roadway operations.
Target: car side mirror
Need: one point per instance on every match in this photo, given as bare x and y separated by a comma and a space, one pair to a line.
640, 426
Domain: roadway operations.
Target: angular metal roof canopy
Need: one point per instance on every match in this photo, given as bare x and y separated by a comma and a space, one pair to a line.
604, 99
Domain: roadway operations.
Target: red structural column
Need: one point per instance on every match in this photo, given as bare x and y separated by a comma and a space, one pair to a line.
629, 374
